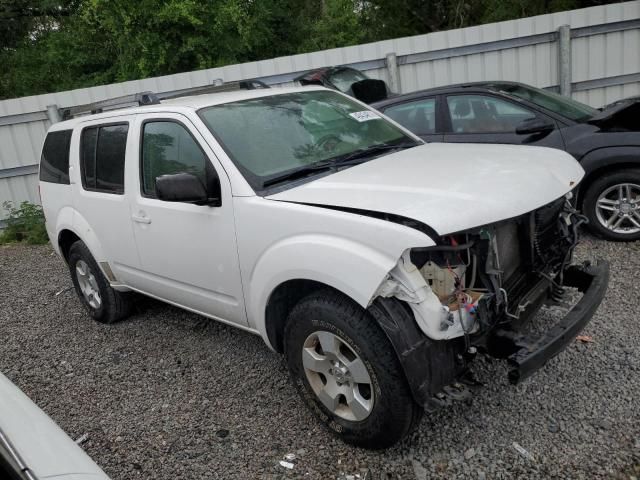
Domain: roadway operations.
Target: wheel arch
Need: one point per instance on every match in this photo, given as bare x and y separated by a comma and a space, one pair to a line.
66, 238
606, 160
313, 262
282, 300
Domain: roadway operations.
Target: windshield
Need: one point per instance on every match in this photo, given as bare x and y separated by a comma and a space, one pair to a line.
269, 136
565, 106
344, 78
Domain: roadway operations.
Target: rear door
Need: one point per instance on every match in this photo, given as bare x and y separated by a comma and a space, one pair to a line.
419, 116
100, 192
188, 252
485, 118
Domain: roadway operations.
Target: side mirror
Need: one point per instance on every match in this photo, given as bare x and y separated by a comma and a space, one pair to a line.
534, 125
183, 187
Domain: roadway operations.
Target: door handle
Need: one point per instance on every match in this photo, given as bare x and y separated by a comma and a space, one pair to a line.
141, 218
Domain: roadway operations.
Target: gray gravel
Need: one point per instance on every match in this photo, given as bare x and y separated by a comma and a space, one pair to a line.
169, 395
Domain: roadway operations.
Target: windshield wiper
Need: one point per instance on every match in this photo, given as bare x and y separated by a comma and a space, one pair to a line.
298, 173
340, 161
374, 149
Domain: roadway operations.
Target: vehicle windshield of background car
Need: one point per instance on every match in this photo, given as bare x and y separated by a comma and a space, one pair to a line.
565, 106
268, 136
344, 78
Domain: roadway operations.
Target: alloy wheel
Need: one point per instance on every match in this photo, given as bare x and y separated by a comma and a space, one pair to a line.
618, 208
88, 284
338, 376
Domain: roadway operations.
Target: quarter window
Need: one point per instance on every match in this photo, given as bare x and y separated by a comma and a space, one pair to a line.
418, 116
483, 114
54, 162
168, 148
102, 157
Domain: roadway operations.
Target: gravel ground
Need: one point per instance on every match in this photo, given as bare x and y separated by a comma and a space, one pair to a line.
169, 395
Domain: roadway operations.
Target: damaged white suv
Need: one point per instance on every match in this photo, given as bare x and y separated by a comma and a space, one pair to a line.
379, 265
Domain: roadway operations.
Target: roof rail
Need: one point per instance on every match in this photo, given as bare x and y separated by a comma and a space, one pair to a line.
135, 100
151, 98
216, 88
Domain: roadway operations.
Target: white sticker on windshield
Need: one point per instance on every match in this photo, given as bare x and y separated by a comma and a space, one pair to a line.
364, 115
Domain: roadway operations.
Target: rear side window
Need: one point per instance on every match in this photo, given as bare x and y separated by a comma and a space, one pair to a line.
102, 153
54, 163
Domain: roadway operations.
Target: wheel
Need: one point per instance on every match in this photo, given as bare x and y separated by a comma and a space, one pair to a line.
612, 205
345, 369
103, 303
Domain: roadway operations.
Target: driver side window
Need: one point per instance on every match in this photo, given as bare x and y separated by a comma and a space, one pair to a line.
168, 148
485, 114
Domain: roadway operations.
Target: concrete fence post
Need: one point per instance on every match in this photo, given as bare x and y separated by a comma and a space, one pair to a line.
564, 59
53, 114
394, 73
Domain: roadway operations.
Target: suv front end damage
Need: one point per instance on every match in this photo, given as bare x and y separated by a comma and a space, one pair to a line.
478, 290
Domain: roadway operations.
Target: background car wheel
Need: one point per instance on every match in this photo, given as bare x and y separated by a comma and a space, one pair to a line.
612, 204
103, 303
345, 368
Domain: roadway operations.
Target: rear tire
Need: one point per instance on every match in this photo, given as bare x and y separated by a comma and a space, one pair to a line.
352, 361
103, 303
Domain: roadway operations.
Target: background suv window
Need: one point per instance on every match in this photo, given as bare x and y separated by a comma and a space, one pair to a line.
167, 148
102, 154
54, 163
485, 114
418, 116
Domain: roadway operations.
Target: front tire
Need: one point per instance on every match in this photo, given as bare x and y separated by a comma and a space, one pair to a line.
345, 369
103, 303
612, 205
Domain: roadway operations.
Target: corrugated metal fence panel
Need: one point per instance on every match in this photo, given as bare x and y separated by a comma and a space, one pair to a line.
523, 50
18, 189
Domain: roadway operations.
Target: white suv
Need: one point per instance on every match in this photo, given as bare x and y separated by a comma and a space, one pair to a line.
379, 265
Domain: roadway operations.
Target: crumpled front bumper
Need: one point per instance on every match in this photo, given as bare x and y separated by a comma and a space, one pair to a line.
529, 353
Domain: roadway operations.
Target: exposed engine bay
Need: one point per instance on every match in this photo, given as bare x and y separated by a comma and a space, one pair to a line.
485, 276
475, 290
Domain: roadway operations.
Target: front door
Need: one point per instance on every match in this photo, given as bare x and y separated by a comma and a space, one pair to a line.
478, 118
188, 252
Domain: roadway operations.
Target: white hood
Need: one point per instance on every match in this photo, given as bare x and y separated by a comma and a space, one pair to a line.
449, 187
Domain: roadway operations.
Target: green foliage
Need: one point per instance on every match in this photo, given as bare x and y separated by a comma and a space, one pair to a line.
53, 45
24, 224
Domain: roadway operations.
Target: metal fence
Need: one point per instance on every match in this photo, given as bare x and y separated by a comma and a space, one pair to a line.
591, 54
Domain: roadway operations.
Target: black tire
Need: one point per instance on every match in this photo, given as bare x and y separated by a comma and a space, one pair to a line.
394, 413
114, 305
589, 204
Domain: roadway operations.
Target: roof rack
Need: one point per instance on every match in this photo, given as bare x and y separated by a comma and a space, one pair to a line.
151, 98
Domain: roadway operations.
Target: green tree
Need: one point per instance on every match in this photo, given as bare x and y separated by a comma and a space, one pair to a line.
52, 45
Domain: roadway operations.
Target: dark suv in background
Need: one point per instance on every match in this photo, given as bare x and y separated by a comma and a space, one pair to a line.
606, 143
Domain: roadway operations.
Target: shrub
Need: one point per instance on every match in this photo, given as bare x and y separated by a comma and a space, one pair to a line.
24, 224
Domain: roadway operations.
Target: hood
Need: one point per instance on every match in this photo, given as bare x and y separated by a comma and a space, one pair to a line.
449, 187
623, 115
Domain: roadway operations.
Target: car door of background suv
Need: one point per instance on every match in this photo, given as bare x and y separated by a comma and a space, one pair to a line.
188, 252
485, 118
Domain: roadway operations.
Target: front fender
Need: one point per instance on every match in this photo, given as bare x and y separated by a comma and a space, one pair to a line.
350, 267
609, 156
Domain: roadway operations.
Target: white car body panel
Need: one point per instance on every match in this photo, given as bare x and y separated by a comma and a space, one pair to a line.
280, 241
43, 447
449, 187
187, 253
